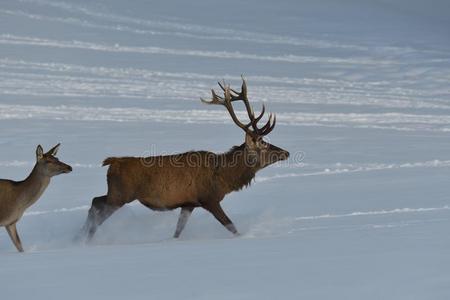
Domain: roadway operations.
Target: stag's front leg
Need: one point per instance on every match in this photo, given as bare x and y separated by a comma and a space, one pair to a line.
182, 220
216, 210
12, 231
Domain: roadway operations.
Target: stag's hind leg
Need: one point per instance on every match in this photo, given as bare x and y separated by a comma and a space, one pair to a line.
182, 220
216, 210
12, 231
100, 210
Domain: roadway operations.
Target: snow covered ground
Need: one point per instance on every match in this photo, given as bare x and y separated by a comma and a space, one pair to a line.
362, 95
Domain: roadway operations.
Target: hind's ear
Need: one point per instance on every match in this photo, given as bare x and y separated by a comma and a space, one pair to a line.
54, 150
39, 153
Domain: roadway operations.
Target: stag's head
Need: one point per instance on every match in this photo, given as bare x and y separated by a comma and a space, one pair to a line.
49, 164
258, 152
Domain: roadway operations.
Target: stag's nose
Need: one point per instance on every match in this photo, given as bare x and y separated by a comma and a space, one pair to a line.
68, 169
285, 155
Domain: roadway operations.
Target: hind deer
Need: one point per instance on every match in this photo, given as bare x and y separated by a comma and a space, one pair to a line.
17, 196
191, 179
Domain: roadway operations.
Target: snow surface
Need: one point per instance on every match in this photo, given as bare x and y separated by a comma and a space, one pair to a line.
361, 90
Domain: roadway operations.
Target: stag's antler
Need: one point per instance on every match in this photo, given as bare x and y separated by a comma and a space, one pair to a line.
231, 95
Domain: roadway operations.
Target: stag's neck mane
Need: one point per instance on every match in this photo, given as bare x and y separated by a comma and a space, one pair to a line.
233, 170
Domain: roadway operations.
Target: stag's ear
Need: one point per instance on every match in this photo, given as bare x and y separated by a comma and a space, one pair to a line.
54, 150
39, 153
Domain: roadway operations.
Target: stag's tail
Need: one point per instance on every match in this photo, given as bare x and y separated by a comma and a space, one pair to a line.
110, 161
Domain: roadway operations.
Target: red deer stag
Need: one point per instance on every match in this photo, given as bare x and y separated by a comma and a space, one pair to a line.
17, 196
191, 179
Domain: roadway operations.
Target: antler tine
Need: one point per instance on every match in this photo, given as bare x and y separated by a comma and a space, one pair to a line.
269, 127
244, 86
266, 126
263, 110
273, 125
243, 93
223, 86
216, 99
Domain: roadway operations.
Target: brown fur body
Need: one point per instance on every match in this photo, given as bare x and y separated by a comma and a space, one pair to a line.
186, 181
25, 193
169, 182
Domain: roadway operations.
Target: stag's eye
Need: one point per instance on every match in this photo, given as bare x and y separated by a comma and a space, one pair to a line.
263, 145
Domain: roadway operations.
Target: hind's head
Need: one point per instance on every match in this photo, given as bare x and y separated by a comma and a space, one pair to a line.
49, 164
